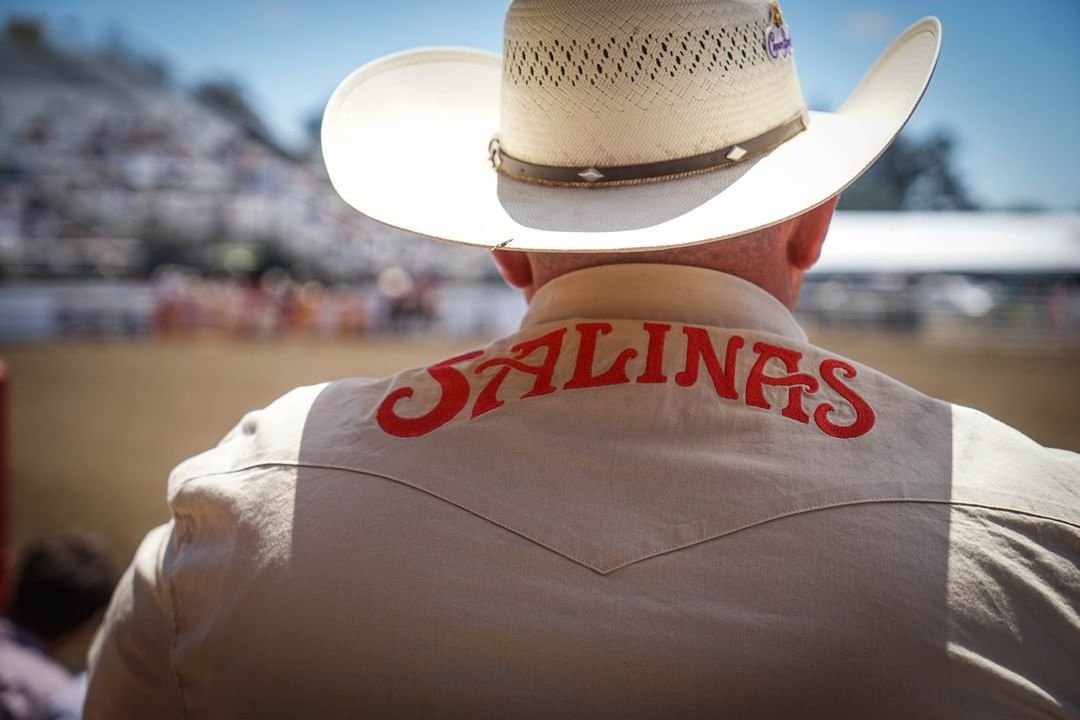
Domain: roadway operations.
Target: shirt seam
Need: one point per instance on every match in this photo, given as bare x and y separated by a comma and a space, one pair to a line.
606, 569
175, 623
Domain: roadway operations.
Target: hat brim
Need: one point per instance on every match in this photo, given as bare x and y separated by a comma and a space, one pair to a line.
405, 139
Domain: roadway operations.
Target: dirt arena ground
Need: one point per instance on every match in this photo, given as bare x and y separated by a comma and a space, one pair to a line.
96, 427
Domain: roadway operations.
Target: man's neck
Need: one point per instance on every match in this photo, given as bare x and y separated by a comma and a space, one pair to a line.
760, 261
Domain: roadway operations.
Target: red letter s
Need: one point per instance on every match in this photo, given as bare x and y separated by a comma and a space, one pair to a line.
455, 395
864, 414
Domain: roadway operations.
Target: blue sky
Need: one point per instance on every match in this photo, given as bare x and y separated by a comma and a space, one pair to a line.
1008, 85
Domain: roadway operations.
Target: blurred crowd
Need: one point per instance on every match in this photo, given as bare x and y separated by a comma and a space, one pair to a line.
108, 193
204, 222
70, 182
275, 304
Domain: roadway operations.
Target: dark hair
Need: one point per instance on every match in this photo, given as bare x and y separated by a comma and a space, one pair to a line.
64, 581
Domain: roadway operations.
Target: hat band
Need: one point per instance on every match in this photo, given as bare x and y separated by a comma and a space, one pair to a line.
645, 172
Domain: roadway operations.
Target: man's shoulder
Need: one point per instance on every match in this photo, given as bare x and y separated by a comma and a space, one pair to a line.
976, 434
282, 433
996, 465
992, 464
272, 435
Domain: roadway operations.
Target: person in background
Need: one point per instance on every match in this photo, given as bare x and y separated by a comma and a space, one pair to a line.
61, 590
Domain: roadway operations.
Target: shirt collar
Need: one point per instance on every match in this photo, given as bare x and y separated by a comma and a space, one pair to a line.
676, 293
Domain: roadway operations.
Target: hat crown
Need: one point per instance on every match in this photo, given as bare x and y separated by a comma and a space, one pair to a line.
623, 82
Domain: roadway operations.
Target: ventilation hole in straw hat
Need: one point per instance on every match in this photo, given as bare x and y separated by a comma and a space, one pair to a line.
671, 54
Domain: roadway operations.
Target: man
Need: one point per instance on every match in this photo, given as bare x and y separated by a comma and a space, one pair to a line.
655, 500
63, 586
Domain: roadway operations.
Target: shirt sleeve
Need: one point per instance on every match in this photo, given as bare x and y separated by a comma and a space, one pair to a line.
130, 663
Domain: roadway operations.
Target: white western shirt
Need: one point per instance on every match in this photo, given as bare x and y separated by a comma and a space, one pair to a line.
655, 500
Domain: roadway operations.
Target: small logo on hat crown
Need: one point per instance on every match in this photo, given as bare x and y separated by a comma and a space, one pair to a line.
777, 35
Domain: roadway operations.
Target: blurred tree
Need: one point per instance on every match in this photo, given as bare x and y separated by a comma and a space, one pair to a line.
227, 97
25, 31
913, 174
157, 71
1025, 206
115, 45
313, 127
122, 52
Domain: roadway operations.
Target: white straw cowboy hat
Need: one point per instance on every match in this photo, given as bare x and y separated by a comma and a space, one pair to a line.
611, 125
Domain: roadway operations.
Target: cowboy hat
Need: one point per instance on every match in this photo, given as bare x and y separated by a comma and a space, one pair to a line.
603, 126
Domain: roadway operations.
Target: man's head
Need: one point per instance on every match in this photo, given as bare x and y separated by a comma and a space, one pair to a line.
64, 583
774, 259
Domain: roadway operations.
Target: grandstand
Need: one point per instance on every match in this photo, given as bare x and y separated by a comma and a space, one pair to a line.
106, 172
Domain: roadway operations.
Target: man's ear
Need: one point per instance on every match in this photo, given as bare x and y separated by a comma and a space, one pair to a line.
515, 268
806, 239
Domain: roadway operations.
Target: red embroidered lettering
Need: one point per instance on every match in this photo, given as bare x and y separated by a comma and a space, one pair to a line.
583, 369
654, 357
699, 347
864, 414
488, 399
454, 397
795, 381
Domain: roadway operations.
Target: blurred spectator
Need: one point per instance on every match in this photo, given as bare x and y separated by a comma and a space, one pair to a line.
61, 591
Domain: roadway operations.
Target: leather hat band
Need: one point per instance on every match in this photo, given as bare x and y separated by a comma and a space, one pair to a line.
645, 172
